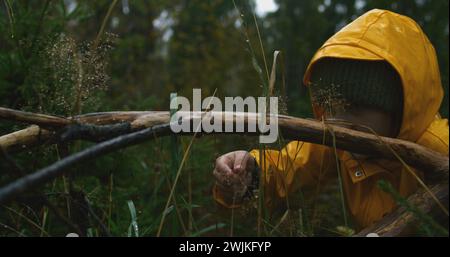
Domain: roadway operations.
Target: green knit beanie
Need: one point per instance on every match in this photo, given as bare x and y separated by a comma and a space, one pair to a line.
357, 83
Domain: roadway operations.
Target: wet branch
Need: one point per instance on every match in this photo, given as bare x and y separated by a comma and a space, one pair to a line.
132, 128
435, 165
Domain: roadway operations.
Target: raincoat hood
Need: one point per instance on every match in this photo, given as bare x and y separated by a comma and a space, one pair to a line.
384, 35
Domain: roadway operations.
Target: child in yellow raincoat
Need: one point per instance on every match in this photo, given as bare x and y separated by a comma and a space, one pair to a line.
380, 71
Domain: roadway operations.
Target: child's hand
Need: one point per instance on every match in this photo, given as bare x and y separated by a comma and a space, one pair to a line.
233, 174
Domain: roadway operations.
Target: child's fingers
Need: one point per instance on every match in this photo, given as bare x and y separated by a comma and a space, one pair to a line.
224, 164
222, 178
240, 161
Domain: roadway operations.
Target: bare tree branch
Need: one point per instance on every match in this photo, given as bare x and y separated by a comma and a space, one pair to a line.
429, 161
145, 126
45, 121
291, 127
46, 131
41, 176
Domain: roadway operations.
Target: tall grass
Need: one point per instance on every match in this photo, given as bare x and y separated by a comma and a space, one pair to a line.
180, 168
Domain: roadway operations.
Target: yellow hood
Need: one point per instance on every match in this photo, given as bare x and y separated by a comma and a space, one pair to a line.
397, 39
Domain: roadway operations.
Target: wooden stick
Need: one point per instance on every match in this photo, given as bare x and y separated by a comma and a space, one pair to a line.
292, 128
56, 169
48, 125
43, 120
434, 164
149, 125
52, 122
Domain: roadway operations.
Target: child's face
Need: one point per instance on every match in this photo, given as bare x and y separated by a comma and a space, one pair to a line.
379, 121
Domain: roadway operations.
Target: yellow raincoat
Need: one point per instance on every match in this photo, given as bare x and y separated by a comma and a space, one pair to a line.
376, 35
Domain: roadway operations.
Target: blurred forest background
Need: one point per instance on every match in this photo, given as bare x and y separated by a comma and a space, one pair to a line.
67, 57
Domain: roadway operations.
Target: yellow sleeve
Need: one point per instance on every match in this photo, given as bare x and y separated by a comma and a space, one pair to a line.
297, 165
284, 172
